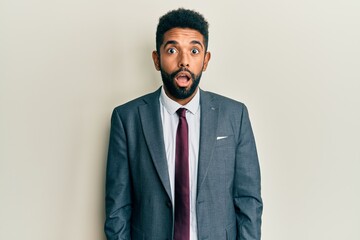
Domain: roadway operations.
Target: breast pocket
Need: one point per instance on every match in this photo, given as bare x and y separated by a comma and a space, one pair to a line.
225, 141
224, 153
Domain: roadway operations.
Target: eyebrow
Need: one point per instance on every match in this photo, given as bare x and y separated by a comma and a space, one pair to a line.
170, 42
197, 42
194, 42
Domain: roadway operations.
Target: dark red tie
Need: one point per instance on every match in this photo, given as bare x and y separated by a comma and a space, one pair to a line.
182, 193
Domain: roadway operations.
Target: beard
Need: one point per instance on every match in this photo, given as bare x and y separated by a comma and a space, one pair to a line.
179, 92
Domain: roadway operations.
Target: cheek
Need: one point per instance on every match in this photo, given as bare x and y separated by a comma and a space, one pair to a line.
198, 65
167, 63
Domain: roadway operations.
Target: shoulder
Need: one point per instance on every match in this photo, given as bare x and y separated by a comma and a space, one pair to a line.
133, 105
222, 101
229, 109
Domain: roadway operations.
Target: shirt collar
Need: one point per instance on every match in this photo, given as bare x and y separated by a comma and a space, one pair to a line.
172, 106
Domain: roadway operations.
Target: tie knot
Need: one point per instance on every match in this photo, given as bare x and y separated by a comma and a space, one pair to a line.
181, 112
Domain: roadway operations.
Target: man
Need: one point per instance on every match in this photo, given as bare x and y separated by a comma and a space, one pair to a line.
182, 162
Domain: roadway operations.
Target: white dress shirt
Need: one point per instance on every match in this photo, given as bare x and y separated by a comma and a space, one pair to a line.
170, 120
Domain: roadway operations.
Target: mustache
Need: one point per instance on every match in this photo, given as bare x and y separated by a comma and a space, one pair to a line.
183, 69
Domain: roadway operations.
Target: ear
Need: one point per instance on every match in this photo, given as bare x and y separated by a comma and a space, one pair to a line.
156, 59
206, 60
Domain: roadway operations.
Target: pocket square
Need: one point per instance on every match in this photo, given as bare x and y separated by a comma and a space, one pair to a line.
221, 137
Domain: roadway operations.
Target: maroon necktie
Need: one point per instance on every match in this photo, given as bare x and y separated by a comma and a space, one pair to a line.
182, 193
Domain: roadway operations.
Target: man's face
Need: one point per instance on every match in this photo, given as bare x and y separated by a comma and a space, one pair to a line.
181, 60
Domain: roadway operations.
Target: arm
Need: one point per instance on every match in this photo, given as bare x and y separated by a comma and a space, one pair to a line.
247, 189
118, 185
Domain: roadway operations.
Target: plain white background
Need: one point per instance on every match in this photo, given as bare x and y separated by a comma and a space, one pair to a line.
64, 65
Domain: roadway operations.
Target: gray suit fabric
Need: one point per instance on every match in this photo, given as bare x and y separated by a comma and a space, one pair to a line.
138, 194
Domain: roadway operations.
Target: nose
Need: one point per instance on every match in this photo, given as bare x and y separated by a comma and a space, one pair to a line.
183, 60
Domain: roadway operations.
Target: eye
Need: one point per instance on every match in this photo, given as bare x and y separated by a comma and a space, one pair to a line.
195, 51
171, 50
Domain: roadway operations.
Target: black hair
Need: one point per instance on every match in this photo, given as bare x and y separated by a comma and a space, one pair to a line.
181, 18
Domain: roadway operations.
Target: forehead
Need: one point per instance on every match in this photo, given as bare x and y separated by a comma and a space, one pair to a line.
183, 35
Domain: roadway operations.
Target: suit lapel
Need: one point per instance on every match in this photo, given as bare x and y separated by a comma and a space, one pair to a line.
208, 129
153, 132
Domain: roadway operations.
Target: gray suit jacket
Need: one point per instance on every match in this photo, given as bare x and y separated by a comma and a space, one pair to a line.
138, 195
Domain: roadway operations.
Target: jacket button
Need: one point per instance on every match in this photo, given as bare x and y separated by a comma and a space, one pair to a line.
168, 204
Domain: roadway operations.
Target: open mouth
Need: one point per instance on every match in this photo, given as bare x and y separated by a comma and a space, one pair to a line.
183, 79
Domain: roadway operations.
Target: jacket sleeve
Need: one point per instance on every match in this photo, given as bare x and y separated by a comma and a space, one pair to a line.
118, 185
247, 183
